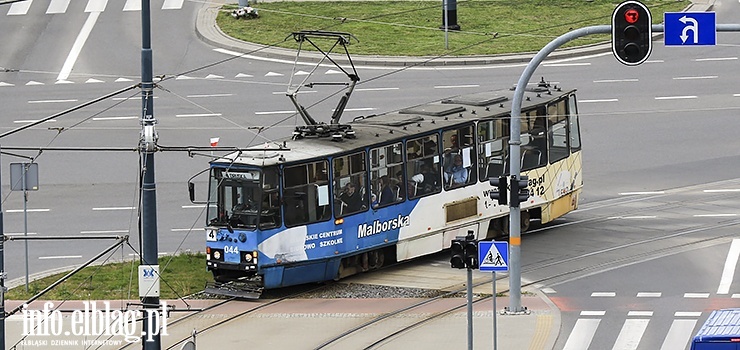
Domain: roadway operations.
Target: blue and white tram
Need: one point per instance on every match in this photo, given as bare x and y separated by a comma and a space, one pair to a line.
315, 209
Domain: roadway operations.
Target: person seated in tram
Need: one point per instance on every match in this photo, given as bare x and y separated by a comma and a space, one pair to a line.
457, 174
351, 198
426, 180
387, 192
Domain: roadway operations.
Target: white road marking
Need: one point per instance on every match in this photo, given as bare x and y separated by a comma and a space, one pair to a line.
713, 215
649, 294
62, 82
603, 294
548, 291
696, 295
715, 59
214, 76
377, 89
640, 314
113, 208
676, 97
31, 83
27, 210
210, 95
728, 273
616, 81
115, 118
57, 6
456, 86
96, 6
274, 112
197, 115
602, 100
679, 334
51, 101
60, 257
184, 229
582, 334
19, 8
92, 80
2, 83
593, 313
687, 314
723, 190
132, 5
78, 44
298, 93
19, 233
640, 192
172, 4
696, 78
631, 333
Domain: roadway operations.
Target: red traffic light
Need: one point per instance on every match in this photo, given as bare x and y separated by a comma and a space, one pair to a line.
631, 16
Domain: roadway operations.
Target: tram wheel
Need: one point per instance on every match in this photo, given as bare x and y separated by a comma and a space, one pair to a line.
524, 221
377, 258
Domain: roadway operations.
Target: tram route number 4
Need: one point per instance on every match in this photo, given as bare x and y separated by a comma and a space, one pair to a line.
493, 256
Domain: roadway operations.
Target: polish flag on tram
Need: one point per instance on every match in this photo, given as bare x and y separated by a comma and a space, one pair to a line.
214, 141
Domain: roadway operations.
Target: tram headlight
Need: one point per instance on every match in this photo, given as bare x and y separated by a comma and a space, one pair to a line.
247, 257
217, 255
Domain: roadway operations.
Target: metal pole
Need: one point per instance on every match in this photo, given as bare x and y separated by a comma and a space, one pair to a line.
494, 311
2, 272
515, 238
25, 216
444, 5
147, 148
470, 309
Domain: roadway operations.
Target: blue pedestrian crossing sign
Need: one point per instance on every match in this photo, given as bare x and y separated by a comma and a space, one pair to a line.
493, 256
690, 28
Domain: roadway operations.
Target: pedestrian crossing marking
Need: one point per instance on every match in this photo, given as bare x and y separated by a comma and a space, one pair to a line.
631, 333
582, 334
679, 334
57, 6
21, 8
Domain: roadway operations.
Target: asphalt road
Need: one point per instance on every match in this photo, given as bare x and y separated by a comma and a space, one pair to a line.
663, 125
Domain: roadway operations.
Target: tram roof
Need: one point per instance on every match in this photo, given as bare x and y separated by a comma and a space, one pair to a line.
386, 128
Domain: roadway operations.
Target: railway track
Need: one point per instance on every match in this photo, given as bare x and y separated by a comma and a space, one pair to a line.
577, 266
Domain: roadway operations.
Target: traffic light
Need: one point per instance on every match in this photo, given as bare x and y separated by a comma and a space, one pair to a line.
457, 261
471, 254
464, 252
632, 32
500, 183
519, 190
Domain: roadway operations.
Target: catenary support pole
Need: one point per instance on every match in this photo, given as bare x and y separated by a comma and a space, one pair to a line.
147, 149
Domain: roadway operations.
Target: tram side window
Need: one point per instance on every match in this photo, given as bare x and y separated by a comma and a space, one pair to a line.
575, 134
350, 192
270, 209
534, 139
557, 119
459, 157
422, 167
306, 193
385, 163
493, 153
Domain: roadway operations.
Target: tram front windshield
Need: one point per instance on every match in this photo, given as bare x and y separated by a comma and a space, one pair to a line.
237, 194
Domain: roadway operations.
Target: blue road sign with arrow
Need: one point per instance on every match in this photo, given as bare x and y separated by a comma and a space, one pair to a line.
493, 256
690, 28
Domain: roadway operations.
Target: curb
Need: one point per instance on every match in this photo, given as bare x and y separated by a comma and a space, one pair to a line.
207, 30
